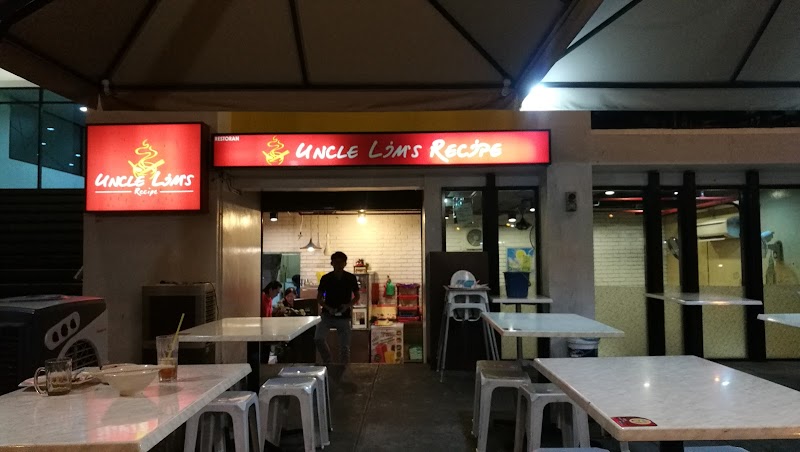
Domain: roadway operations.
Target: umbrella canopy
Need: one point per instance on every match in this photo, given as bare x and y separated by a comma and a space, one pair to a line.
680, 55
289, 55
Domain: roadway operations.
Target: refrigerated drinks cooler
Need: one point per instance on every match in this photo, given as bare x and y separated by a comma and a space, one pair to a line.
386, 344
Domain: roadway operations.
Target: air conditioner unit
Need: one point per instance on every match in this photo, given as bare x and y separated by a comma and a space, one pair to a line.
718, 229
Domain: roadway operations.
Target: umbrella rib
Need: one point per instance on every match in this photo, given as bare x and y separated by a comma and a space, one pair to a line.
47, 58
757, 37
471, 40
611, 19
131, 37
298, 40
14, 11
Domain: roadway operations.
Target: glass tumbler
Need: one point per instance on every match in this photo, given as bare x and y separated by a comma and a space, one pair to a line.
167, 352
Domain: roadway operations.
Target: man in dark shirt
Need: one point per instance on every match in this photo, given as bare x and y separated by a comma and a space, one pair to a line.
337, 293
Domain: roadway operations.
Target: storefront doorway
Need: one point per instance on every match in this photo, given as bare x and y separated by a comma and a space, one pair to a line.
381, 233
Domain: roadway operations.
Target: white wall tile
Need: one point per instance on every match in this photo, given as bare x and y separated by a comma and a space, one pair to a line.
391, 244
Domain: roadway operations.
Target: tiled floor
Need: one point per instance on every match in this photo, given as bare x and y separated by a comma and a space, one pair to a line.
405, 408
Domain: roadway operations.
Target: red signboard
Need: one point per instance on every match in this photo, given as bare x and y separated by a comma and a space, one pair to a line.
383, 149
144, 167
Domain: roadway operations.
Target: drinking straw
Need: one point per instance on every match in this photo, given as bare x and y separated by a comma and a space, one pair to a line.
175, 339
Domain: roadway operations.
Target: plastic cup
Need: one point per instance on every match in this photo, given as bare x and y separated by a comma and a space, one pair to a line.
167, 356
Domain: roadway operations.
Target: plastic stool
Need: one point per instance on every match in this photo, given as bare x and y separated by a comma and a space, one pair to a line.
572, 449
489, 377
323, 400
537, 396
460, 312
623, 446
237, 404
714, 449
305, 390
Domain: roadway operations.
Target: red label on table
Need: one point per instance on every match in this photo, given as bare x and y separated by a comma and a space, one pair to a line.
633, 421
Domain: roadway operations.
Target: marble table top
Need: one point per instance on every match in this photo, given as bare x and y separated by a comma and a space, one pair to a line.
250, 329
515, 324
790, 319
96, 418
704, 299
688, 398
536, 299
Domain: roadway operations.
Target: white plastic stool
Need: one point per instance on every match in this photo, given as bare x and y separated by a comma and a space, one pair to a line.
237, 404
488, 377
461, 312
305, 390
537, 396
623, 447
572, 449
323, 396
714, 449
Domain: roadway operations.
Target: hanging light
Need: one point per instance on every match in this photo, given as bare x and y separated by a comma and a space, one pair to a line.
362, 217
273, 216
311, 246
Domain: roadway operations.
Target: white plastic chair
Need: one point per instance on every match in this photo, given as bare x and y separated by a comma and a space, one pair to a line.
236, 404
488, 377
534, 397
323, 394
305, 390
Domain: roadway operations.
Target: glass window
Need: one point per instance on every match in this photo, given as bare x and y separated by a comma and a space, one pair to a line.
517, 245
780, 260
62, 146
36, 133
517, 235
618, 236
463, 229
19, 95
673, 324
719, 265
17, 156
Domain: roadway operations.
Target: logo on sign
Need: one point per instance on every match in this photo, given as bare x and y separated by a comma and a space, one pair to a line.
146, 178
143, 167
275, 156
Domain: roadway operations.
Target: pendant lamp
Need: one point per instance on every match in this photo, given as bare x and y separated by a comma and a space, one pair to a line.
311, 246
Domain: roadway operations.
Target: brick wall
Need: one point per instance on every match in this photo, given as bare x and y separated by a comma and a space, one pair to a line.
391, 244
618, 250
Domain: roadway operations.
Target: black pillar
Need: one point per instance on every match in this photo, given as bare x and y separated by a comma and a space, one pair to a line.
654, 265
692, 316
750, 236
491, 234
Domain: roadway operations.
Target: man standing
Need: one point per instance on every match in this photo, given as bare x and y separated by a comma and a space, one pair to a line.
337, 293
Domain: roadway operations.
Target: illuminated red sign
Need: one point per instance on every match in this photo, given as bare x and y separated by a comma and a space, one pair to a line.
383, 149
144, 167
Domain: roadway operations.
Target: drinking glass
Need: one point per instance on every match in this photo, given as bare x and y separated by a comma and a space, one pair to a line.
58, 373
167, 353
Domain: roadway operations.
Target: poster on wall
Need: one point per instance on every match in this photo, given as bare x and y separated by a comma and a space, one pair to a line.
528, 147
519, 259
145, 167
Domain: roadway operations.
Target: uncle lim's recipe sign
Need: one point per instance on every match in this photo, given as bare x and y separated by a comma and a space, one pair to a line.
382, 149
144, 167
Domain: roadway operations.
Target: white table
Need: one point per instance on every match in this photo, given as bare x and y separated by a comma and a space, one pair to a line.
254, 331
518, 302
519, 325
96, 418
536, 299
688, 398
704, 299
784, 319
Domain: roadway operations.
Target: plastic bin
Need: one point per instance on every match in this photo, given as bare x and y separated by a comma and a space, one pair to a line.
584, 347
517, 284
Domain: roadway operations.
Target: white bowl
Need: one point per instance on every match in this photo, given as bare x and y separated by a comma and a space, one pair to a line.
129, 380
